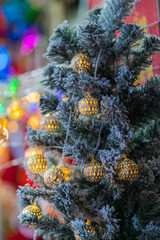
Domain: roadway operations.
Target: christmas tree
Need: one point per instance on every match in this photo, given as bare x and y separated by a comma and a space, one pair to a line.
107, 123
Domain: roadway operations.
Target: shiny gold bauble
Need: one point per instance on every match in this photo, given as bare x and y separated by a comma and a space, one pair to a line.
31, 152
37, 164
50, 123
127, 169
94, 171
88, 106
32, 210
3, 135
67, 173
54, 176
80, 62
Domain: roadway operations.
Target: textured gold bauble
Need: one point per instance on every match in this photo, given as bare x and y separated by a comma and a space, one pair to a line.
77, 237
67, 173
32, 210
90, 229
94, 171
127, 169
3, 135
80, 62
50, 123
53, 177
31, 152
88, 106
37, 164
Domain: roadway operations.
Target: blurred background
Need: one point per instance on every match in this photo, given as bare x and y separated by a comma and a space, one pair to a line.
23, 41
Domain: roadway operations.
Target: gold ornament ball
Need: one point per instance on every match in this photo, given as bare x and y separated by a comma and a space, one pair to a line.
77, 237
31, 152
32, 210
90, 229
37, 164
3, 135
50, 123
88, 106
67, 173
80, 62
94, 171
127, 169
54, 176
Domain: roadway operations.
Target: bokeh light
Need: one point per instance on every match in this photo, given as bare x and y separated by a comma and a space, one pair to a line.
29, 42
13, 126
4, 58
33, 97
34, 107
15, 110
1, 108
13, 85
34, 121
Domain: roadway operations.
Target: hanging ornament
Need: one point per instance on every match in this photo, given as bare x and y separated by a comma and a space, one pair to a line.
32, 210
3, 134
88, 106
67, 173
50, 123
90, 229
94, 171
80, 62
77, 237
31, 152
54, 176
15, 110
127, 169
37, 163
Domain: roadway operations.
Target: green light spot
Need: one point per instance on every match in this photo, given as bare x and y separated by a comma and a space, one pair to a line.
1, 108
13, 85
52, 166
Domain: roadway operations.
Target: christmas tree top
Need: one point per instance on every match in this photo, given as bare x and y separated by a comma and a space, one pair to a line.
107, 123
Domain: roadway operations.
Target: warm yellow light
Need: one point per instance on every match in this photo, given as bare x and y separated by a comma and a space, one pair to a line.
34, 121
13, 126
37, 164
33, 97
50, 123
64, 98
3, 122
3, 135
15, 110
